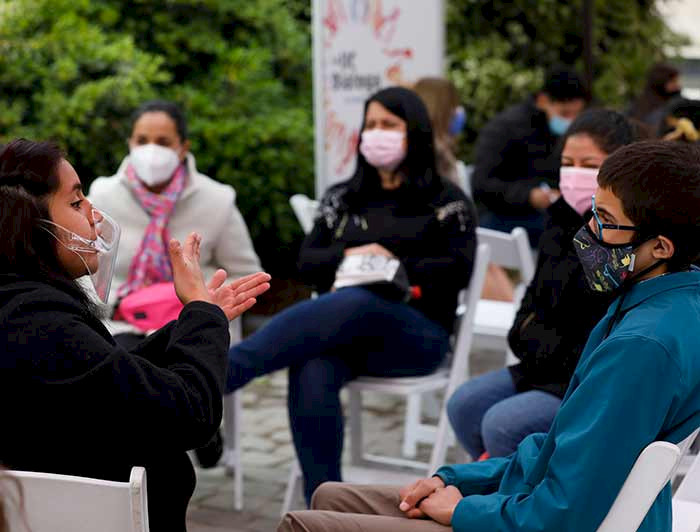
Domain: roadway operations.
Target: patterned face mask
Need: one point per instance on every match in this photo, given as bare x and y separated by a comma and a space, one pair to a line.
606, 266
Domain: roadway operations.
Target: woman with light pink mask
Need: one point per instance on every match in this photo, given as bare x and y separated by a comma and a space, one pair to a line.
492, 413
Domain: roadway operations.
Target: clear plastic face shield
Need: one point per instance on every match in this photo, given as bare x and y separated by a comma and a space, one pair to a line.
99, 255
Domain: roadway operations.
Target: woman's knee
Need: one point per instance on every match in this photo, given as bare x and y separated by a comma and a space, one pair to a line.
455, 406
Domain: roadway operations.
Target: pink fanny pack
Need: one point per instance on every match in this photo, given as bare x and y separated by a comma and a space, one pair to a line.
150, 308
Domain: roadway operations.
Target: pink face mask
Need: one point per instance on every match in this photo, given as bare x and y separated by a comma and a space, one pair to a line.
383, 149
577, 185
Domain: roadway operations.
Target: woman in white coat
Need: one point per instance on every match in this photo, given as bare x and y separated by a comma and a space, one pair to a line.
158, 194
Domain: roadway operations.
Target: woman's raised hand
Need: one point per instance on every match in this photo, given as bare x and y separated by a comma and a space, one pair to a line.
237, 297
234, 298
187, 274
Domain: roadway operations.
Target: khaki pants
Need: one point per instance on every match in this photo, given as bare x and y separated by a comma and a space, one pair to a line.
340, 507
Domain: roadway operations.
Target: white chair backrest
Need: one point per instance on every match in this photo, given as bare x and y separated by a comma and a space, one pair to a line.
304, 208
470, 299
64, 503
651, 472
689, 488
510, 250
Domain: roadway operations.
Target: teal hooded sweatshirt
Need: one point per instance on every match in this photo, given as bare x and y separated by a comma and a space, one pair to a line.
635, 385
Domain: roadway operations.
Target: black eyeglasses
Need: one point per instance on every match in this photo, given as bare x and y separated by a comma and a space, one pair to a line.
602, 226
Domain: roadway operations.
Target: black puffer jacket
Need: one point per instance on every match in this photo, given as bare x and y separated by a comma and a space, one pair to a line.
558, 311
73, 402
515, 152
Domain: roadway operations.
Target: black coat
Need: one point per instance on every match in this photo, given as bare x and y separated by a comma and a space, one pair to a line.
514, 153
435, 241
73, 402
558, 311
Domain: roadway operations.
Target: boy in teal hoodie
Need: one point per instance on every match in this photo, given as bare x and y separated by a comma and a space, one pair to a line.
638, 379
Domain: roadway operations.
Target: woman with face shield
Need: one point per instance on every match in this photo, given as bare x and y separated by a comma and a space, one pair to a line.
62, 374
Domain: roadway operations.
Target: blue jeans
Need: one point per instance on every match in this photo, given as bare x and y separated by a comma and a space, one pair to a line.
488, 414
325, 343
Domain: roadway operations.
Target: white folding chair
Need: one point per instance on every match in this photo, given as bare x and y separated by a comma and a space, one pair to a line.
494, 318
492, 321
446, 379
64, 503
233, 414
305, 209
686, 500
649, 474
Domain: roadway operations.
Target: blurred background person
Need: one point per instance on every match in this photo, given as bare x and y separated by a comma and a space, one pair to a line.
662, 85
448, 118
515, 165
493, 412
157, 193
396, 205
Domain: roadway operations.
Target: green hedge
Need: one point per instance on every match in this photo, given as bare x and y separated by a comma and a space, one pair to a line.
73, 70
499, 50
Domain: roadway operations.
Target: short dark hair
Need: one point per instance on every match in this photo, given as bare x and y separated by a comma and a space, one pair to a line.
28, 177
163, 106
563, 85
658, 184
608, 129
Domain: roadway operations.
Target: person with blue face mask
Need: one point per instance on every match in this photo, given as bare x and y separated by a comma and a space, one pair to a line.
516, 169
637, 380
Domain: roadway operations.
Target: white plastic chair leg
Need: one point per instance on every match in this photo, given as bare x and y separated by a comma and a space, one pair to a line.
411, 424
293, 487
233, 414
355, 408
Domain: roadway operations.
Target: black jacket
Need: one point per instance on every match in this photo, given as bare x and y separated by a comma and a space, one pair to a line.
514, 153
435, 241
558, 311
73, 402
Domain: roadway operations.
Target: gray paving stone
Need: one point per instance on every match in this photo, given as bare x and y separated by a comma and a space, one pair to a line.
268, 454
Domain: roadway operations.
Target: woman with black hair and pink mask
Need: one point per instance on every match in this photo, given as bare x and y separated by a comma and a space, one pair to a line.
492, 413
396, 205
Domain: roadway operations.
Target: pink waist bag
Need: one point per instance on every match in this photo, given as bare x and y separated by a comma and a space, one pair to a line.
150, 308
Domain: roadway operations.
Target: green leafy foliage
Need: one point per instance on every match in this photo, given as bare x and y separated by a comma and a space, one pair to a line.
499, 50
74, 71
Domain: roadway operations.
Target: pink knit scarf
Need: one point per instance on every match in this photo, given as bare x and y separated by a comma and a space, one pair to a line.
151, 264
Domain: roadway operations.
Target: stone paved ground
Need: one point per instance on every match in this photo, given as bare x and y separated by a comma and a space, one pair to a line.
268, 453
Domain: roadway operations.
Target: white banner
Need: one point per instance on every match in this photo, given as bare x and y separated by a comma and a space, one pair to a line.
361, 46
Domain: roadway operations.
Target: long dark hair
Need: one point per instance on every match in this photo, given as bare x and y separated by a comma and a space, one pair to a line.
28, 178
421, 181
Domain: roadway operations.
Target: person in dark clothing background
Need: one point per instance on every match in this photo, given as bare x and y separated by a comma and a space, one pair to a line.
515, 166
493, 412
662, 86
395, 205
73, 401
